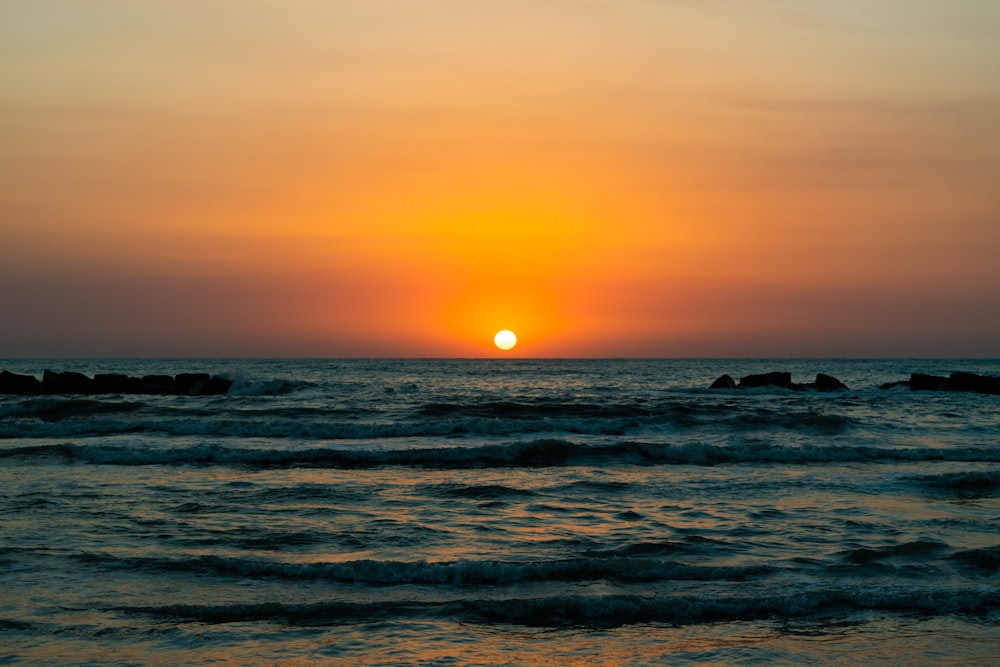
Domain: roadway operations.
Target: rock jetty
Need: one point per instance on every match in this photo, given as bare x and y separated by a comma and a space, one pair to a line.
183, 384
780, 379
981, 384
959, 381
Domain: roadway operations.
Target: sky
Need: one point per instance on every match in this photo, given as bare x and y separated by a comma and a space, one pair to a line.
404, 178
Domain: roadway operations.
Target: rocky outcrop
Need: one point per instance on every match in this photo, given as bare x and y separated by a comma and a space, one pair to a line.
960, 381
828, 383
921, 382
981, 384
185, 384
724, 382
111, 383
191, 384
780, 379
152, 384
773, 379
66, 383
13, 383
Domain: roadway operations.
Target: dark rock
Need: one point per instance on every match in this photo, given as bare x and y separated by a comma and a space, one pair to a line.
828, 383
190, 384
216, 385
724, 382
982, 384
110, 383
773, 379
152, 384
13, 383
922, 382
959, 381
66, 383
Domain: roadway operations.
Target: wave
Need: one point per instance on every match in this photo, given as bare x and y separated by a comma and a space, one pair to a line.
303, 423
513, 410
277, 387
689, 545
606, 610
675, 413
984, 561
54, 409
12, 625
528, 454
973, 483
458, 573
482, 492
240, 414
810, 421
919, 549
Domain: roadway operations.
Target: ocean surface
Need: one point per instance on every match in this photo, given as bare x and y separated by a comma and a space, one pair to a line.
501, 512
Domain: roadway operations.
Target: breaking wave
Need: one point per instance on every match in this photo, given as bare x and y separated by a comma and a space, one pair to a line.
242, 413
972, 483
606, 610
527, 454
55, 409
455, 574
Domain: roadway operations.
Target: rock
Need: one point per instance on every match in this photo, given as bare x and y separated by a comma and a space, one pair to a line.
66, 383
781, 379
959, 381
190, 384
922, 382
724, 382
110, 383
828, 383
152, 384
773, 379
982, 384
216, 385
14, 383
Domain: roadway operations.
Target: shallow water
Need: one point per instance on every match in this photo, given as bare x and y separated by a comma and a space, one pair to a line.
502, 512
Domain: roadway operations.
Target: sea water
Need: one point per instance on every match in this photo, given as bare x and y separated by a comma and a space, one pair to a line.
483, 512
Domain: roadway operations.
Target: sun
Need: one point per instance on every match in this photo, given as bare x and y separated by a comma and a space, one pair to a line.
505, 339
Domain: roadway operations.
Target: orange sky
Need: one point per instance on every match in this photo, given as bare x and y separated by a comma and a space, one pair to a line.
407, 177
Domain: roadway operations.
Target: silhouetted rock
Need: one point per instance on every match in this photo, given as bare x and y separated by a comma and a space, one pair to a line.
773, 379
66, 383
781, 379
959, 381
152, 384
922, 382
216, 385
982, 384
13, 383
828, 383
110, 383
724, 382
190, 384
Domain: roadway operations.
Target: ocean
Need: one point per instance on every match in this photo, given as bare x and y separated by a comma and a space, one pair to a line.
501, 512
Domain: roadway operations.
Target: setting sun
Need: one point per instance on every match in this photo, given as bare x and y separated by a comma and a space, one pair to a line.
505, 339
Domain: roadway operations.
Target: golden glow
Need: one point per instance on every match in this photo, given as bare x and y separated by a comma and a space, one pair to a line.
349, 178
505, 339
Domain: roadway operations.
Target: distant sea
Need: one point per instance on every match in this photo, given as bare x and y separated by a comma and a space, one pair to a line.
491, 512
